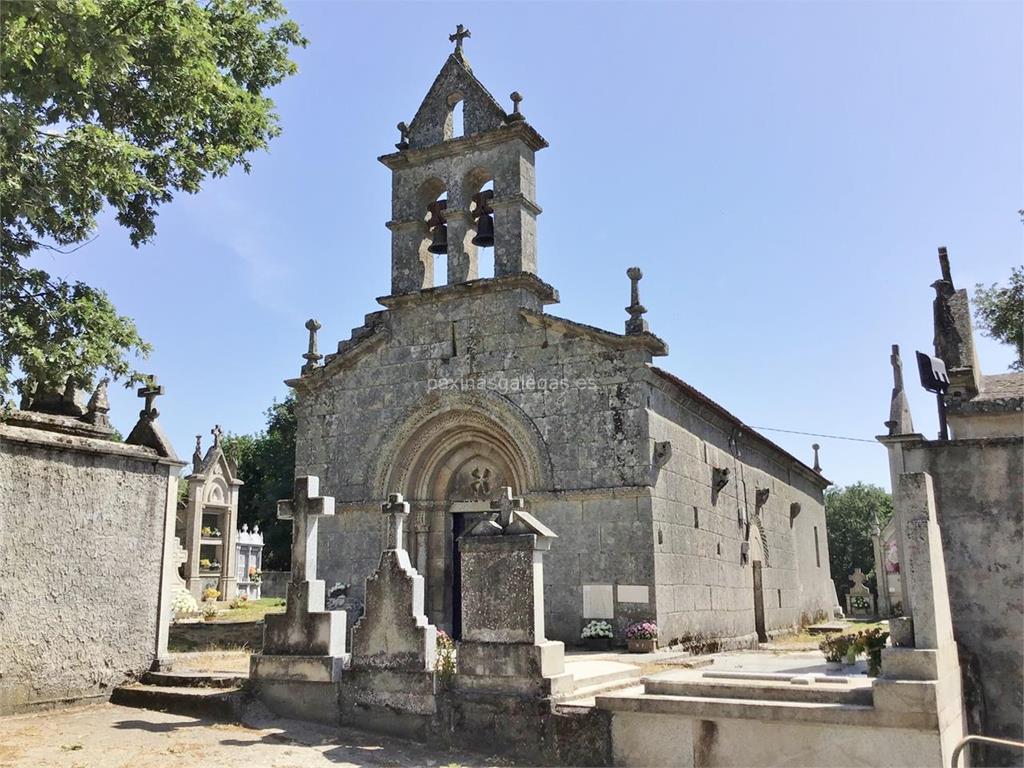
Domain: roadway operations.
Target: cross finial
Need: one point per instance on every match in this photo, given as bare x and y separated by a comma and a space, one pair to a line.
817, 464
636, 323
506, 506
151, 392
516, 100
311, 357
403, 136
397, 510
216, 432
461, 33
897, 368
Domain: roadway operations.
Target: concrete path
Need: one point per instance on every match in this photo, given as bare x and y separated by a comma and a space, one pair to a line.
108, 736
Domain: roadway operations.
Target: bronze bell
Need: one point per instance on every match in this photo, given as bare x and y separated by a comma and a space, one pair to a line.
484, 231
439, 241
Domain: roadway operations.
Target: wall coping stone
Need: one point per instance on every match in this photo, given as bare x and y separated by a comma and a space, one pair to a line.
80, 444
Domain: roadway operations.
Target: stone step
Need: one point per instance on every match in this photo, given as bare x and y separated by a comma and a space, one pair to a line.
194, 679
225, 704
761, 691
595, 674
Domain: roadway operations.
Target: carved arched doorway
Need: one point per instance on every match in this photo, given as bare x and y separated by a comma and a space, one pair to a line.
457, 454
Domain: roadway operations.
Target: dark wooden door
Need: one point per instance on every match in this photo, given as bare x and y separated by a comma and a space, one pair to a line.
762, 636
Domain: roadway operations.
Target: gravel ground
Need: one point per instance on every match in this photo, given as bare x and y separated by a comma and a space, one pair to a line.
109, 736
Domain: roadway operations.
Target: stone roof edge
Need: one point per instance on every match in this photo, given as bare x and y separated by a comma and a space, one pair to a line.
544, 291
653, 344
213, 453
475, 141
694, 393
81, 444
341, 360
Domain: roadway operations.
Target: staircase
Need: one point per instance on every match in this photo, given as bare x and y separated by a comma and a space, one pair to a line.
211, 695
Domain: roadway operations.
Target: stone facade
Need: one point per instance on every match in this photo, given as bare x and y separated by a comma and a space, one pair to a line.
453, 391
86, 531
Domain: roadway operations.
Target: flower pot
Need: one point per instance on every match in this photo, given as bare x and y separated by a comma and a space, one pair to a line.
833, 665
643, 645
597, 643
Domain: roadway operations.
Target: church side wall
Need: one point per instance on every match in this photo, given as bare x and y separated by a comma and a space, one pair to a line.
704, 589
979, 499
81, 542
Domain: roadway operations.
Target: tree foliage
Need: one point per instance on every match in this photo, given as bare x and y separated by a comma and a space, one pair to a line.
266, 464
1000, 313
850, 516
119, 103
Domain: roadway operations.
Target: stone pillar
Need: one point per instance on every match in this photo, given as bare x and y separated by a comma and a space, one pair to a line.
924, 679
503, 647
422, 529
922, 564
462, 254
410, 269
304, 648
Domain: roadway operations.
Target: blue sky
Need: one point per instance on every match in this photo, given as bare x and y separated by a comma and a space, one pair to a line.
782, 172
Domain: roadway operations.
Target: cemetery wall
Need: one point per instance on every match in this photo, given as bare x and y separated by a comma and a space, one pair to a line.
82, 524
704, 589
979, 499
274, 583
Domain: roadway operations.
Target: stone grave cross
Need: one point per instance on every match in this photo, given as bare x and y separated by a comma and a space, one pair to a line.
506, 505
305, 509
461, 33
397, 510
151, 391
858, 578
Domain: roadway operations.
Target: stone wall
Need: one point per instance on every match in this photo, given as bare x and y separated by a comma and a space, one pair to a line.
979, 495
703, 586
82, 525
275, 583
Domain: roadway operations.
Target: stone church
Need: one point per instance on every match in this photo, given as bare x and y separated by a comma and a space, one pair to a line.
666, 506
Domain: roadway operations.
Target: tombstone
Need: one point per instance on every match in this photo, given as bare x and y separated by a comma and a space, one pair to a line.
249, 557
860, 603
503, 647
390, 685
303, 648
211, 517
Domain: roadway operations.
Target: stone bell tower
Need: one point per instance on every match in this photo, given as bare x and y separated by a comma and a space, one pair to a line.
439, 201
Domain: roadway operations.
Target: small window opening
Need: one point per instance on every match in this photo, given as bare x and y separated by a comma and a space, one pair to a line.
660, 539
455, 123
719, 548
696, 517
780, 598
817, 552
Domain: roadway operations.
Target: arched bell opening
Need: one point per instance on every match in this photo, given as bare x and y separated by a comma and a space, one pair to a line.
479, 189
433, 203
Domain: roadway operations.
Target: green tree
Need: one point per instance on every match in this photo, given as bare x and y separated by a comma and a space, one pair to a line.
266, 464
1000, 313
850, 515
118, 103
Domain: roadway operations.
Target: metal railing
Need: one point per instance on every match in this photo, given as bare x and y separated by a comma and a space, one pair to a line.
955, 762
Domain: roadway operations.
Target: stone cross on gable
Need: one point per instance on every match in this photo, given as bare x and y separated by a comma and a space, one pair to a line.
506, 505
151, 392
397, 510
216, 432
461, 33
304, 509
